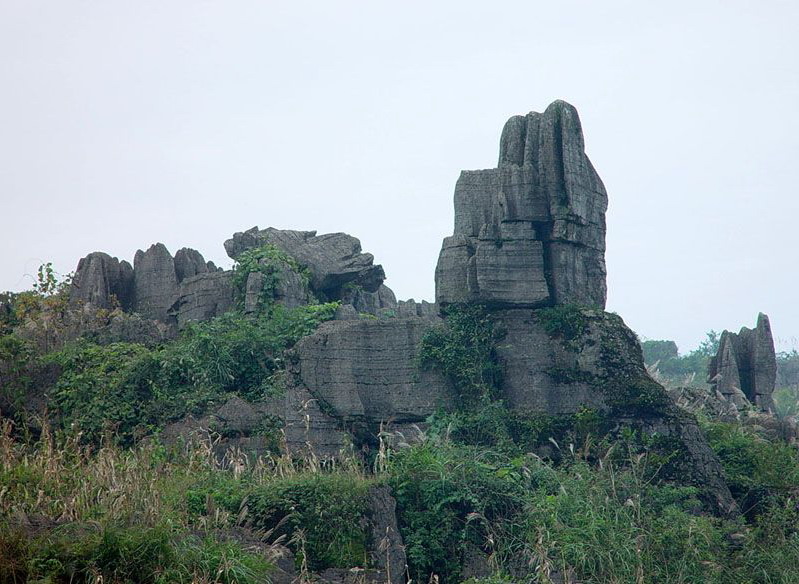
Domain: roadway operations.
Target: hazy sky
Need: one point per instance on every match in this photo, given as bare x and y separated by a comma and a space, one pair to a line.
127, 123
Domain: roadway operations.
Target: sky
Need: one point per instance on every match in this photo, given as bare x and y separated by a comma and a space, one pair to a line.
127, 123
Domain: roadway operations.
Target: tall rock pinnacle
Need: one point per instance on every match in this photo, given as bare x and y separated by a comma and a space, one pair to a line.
530, 232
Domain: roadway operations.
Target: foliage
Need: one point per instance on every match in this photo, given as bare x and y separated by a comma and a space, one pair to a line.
565, 321
786, 396
464, 350
269, 261
101, 386
759, 473
16, 357
131, 389
689, 369
321, 514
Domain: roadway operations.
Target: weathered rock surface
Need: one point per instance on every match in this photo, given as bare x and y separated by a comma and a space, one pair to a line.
369, 302
333, 259
102, 281
287, 287
201, 297
151, 286
354, 374
189, 262
532, 231
744, 369
155, 282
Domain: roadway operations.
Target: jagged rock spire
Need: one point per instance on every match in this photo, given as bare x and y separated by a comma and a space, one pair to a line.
744, 369
530, 232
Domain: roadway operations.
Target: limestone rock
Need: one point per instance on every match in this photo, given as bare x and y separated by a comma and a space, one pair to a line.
201, 297
369, 302
155, 282
410, 308
189, 262
745, 367
386, 549
333, 259
102, 281
352, 372
530, 232
287, 287
124, 327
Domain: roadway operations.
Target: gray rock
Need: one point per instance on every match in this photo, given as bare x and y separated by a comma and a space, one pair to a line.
102, 281
202, 297
745, 367
155, 282
369, 302
126, 327
333, 259
532, 231
189, 262
411, 308
386, 549
287, 287
358, 372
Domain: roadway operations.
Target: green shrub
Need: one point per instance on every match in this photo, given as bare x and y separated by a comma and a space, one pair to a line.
80, 552
760, 473
464, 350
321, 514
565, 322
131, 390
268, 260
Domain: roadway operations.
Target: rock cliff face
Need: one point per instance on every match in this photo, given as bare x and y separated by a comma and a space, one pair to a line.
744, 369
530, 232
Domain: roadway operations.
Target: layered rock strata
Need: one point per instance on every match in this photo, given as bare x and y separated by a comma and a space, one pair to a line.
530, 232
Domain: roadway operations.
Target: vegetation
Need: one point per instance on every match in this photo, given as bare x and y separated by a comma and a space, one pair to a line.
523, 497
132, 390
464, 351
675, 369
270, 262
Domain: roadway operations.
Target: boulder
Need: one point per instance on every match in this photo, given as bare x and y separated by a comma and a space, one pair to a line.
333, 259
744, 369
530, 232
369, 302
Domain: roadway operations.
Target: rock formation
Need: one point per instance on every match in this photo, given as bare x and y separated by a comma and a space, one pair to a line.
744, 369
333, 259
102, 281
528, 246
158, 287
530, 232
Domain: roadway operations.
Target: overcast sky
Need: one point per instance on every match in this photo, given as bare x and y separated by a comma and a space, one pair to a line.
127, 123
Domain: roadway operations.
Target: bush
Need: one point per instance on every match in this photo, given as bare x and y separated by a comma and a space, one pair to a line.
321, 514
132, 390
464, 350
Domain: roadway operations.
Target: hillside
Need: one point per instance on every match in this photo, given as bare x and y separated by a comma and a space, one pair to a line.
290, 420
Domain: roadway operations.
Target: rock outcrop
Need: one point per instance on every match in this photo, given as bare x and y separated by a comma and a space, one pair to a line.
744, 369
158, 287
102, 281
352, 375
201, 297
334, 260
530, 232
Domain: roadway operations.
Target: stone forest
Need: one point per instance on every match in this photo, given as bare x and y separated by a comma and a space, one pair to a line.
290, 420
